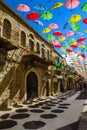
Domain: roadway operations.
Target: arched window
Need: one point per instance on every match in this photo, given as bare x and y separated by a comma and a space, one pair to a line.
23, 38
43, 51
47, 54
6, 28
31, 45
31, 36
38, 48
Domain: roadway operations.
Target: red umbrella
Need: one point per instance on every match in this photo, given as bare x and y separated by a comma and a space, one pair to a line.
32, 16
69, 50
23, 8
80, 40
85, 21
57, 33
74, 46
83, 56
58, 46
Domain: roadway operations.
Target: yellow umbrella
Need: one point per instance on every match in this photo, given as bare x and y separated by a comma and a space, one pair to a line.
85, 30
82, 46
73, 43
56, 5
75, 18
61, 38
46, 30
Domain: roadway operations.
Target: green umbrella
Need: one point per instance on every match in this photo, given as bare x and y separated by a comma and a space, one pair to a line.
75, 27
50, 37
71, 40
84, 7
46, 15
84, 49
66, 46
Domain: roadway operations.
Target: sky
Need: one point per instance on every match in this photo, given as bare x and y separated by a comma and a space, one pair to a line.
60, 16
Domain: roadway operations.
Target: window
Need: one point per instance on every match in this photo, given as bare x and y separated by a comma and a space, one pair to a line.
31, 45
43, 51
23, 39
6, 28
38, 48
47, 54
31, 36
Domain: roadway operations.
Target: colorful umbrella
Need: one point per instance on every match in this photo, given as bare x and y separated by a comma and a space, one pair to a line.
57, 33
71, 4
85, 21
32, 16
50, 37
71, 40
83, 56
61, 38
74, 46
80, 40
82, 46
45, 30
23, 8
53, 26
84, 7
57, 5
54, 42
85, 30
58, 65
69, 50
40, 7
58, 46
38, 22
46, 15
84, 50
63, 51
75, 27
69, 33
66, 46
75, 18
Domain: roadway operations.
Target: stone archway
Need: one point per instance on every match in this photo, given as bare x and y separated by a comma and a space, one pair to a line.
32, 86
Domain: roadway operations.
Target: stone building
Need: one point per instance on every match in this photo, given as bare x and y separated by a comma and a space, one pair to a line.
26, 60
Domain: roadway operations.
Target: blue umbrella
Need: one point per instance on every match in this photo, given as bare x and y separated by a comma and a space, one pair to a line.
40, 7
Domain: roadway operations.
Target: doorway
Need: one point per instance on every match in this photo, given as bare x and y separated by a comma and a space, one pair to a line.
32, 86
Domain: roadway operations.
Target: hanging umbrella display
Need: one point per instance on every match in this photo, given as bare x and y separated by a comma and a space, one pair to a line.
61, 38
38, 22
53, 26
71, 4
50, 37
40, 7
57, 5
75, 27
85, 21
46, 30
46, 15
23, 8
54, 42
57, 33
84, 7
69, 33
32, 16
75, 18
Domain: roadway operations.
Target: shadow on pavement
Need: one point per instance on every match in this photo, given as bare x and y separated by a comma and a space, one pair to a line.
83, 95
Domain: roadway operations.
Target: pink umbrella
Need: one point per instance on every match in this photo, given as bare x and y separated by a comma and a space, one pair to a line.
52, 26
69, 33
54, 42
57, 33
71, 4
32, 16
23, 8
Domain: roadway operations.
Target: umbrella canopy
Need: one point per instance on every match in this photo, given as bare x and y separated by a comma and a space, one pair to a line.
50, 37
46, 15
53, 26
40, 7
57, 46
45, 30
84, 49
57, 5
32, 16
38, 22
71, 40
71, 4
69, 50
75, 18
74, 46
66, 46
82, 46
84, 7
75, 27
23, 8
57, 33
85, 21
69, 33
54, 42
61, 38
83, 56
80, 40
